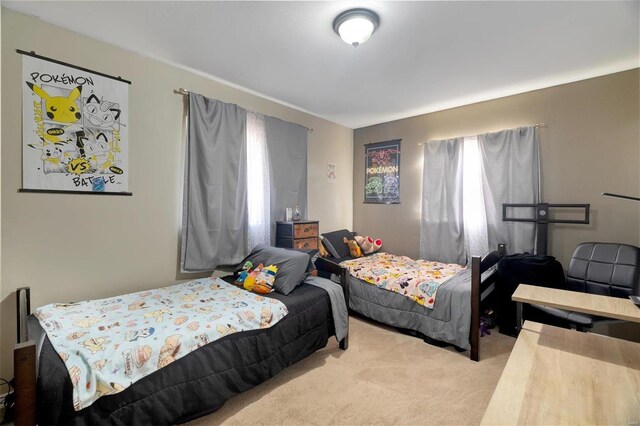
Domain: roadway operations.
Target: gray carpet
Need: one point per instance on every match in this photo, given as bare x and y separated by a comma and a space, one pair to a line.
384, 378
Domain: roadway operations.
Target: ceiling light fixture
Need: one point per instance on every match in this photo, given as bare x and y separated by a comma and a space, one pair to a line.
355, 26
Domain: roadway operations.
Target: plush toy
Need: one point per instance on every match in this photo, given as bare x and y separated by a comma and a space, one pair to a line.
322, 252
259, 280
368, 244
364, 243
246, 268
354, 248
377, 244
265, 279
251, 278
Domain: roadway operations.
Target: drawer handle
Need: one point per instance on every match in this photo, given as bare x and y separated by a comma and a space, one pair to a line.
305, 245
306, 229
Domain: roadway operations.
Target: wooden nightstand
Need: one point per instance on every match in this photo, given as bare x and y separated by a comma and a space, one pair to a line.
301, 234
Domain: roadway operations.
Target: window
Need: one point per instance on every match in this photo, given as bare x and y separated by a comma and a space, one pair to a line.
473, 212
258, 186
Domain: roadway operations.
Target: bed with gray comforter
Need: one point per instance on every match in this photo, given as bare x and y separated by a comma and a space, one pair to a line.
449, 321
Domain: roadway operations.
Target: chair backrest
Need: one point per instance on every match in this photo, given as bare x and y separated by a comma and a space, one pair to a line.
605, 268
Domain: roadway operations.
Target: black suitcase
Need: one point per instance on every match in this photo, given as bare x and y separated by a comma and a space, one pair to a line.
524, 268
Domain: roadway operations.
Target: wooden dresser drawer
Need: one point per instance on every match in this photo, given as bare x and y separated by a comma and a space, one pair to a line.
305, 230
297, 235
306, 243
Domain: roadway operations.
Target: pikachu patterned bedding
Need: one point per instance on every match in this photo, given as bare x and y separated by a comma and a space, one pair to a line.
416, 279
109, 344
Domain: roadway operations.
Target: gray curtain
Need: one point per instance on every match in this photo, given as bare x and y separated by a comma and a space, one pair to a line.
214, 218
442, 228
287, 149
510, 174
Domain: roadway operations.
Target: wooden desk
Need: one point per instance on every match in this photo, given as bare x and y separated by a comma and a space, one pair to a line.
556, 376
604, 306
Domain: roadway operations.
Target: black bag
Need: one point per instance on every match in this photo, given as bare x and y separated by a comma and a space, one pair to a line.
525, 268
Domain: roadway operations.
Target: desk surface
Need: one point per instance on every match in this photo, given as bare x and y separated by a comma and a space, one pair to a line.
610, 307
560, 376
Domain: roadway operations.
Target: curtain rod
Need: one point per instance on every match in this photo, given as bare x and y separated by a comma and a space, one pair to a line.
537, 126
184, 92
66, 64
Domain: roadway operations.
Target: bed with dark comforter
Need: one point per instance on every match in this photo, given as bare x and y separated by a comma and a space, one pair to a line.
200, 381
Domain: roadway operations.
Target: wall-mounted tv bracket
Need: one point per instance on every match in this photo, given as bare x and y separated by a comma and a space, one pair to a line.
542, 220
626, 197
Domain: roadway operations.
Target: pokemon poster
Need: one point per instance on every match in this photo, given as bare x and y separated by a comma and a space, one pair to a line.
75, 134
382, 172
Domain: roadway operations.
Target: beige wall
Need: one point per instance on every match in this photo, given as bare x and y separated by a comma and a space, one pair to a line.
590, 145
71, 247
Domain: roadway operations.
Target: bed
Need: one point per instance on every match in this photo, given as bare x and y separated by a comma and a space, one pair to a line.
202, 380
454, 318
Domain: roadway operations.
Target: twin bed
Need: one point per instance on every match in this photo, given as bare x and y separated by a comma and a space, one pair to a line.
453, 319
199, 382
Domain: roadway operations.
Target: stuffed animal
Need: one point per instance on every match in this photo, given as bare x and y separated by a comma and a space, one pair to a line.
364, 243
259, 280
250, 280
322, 251
377, 244
354, 248
368, 244
246, 268
265, 279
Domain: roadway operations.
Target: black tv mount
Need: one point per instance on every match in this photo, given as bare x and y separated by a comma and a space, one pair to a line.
626, 197
542, 220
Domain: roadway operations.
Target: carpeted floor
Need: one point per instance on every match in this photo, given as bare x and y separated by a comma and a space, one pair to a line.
384, 378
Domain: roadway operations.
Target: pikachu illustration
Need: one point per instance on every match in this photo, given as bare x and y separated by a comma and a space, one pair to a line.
99, 365
54, 156
138, 304
266, 316
108, 388
60, 108
157, 314
86, 321
169, 350
225, 330
96, 345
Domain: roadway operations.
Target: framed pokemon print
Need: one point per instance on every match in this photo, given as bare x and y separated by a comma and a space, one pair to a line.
74, 128
382, 172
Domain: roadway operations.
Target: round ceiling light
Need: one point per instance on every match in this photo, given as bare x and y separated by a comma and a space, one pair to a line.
355, 26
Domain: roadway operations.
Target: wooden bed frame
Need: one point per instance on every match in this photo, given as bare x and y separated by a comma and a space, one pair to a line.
481, 288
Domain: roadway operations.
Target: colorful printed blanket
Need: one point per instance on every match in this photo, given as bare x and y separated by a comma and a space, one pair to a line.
109, 344
416, 279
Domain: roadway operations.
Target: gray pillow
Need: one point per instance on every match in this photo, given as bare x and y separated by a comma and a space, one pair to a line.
292, 265
334, 243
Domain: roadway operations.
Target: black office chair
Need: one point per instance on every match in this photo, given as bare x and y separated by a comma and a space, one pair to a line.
608, 269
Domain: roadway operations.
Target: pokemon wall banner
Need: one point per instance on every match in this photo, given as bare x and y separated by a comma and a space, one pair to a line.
74, 128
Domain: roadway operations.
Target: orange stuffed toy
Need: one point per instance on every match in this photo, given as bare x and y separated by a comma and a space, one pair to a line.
354, 248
